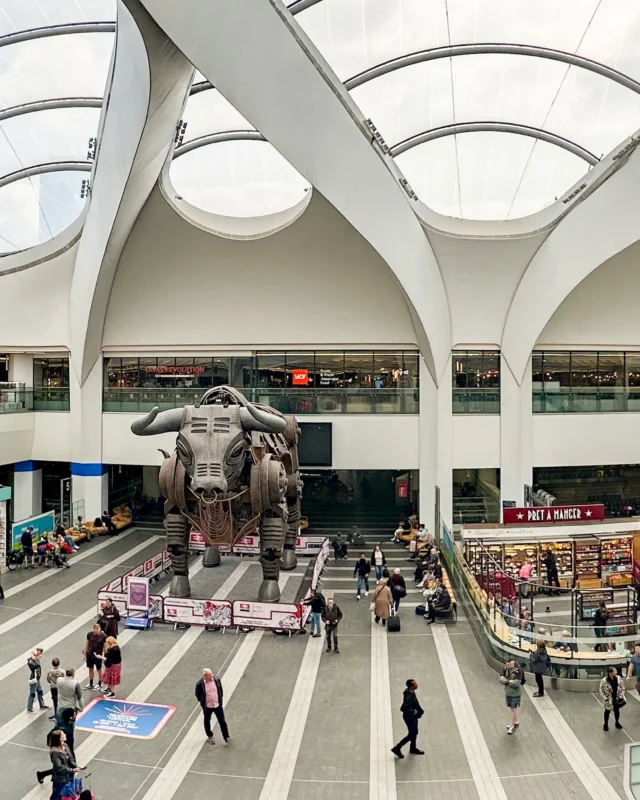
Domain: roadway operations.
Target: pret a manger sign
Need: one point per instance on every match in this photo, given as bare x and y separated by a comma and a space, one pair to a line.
546, 514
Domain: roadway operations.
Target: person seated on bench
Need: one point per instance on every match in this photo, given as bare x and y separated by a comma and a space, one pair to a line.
441, 604
80, 527
564, 644
108, 523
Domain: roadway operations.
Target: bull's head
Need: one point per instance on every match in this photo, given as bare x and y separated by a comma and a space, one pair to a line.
212, 439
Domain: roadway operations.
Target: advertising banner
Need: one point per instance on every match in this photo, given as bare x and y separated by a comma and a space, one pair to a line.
3, 533
285, 616
121, 601
43, 523
121, 718
250, 545
138, 594
191, 611
547, 514
321, 560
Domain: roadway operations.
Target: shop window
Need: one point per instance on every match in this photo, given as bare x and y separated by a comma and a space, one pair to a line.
271, 370
475, 379
242, 372
301, 370
129, 373
112, 373
330, 370
148, 373
51, 384
359, 370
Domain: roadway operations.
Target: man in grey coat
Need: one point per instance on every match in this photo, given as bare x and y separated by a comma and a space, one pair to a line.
69, 693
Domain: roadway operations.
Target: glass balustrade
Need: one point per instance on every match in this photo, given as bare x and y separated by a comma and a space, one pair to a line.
288, 401
476, 401
16, 401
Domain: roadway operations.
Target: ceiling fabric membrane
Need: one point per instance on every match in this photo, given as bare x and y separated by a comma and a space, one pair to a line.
48, 68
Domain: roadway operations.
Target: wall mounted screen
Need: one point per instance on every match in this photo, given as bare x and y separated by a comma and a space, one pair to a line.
315, 444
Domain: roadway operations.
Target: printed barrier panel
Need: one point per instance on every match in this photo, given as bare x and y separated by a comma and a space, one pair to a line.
191, 611
121, 718
3, 533
43, 523
250, 545
283, 616
121, 602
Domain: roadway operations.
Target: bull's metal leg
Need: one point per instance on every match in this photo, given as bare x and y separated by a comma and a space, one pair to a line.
211, 557
272, 533
289, 559
177, 530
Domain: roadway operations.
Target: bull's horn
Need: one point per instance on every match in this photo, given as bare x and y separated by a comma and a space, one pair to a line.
155, 422
255, 419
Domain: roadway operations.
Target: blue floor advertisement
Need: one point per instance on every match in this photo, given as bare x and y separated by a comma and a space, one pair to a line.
123, 718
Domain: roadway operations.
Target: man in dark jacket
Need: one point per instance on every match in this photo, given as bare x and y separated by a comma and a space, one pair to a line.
26, 540
331, 616
33, 662
209, 695
398, 588
442, 602
317, 603
411, 713
339, 547
362, 570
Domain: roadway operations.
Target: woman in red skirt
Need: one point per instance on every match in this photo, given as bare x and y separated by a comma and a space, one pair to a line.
112, 666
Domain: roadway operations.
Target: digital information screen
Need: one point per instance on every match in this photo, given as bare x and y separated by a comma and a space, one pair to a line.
315, 444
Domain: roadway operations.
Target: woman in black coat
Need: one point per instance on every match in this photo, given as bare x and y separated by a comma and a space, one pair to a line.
540, 662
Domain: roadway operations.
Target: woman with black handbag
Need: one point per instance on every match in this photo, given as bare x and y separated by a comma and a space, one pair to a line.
612, 690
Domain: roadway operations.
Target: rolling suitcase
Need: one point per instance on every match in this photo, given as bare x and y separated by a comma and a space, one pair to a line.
393, 623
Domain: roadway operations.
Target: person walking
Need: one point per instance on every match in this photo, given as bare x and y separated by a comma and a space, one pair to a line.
382, 600
110, 618
69, 692
398, 588
93, 649
411, 713
552, 571
33, 662
53, 675
600, 619
209, 695
361, 571
634, 666
64, 764
512, 679
540, 663
26, 541
317, 603
331, 617
112, 663
612, 691
378, 561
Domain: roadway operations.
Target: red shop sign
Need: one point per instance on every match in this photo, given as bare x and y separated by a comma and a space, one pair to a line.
546, 514
300, 377
403, 489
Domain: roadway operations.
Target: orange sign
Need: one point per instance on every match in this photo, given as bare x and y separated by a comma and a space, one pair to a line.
300, 377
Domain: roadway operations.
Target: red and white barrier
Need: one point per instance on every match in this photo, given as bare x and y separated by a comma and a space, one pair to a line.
217, 613
250, 545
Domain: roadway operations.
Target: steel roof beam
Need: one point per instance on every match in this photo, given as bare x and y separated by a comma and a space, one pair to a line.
42, 169
436, 53
501, 127
217, 138
56, 30
48, 105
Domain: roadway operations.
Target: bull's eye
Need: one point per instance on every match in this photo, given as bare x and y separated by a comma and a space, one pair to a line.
183, 452
236, 452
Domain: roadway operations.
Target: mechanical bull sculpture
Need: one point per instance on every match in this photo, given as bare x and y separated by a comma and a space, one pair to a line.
234, 472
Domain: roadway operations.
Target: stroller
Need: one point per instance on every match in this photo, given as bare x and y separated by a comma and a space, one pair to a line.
57, 559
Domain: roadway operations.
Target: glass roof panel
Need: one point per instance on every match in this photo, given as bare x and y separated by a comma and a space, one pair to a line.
237, 179
67, 66
33, 210
591, 110
209, 112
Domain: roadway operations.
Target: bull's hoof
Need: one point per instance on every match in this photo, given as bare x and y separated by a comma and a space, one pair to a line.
289, 560
180, 586
211, 557
269, 592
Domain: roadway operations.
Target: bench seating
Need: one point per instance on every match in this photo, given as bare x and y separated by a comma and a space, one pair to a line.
122, 517
452, 612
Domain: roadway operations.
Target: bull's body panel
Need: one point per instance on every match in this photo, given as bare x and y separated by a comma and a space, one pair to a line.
234, 471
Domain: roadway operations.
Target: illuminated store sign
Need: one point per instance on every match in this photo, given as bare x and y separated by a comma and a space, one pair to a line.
553, 514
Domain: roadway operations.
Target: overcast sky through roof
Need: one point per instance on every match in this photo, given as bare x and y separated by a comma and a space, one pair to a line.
482, 175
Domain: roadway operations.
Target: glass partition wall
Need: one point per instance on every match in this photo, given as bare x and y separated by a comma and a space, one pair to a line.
294, 382
585, 382
50, 384
475, 377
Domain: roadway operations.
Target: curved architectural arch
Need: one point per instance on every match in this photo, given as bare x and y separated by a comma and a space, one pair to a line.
300, 5
43, 169
449, 51
48, 105
499, 127
216, 138
56, 30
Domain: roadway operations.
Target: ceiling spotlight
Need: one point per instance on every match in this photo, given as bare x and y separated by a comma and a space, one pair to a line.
85, 189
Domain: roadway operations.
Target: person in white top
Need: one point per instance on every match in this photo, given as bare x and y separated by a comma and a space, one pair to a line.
397, 532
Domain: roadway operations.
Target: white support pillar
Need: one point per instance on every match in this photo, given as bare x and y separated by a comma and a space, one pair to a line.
27, 490
90, 481
516, 432
21, 369
445, 448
